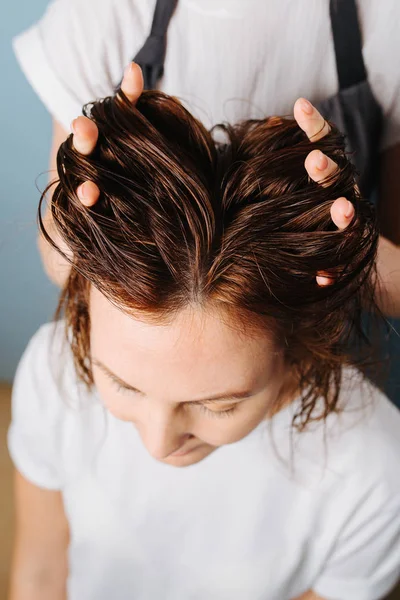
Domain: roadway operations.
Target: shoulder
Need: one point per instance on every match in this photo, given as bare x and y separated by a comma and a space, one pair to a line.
45, 336
39, 408
53, 414
45, 374
90, 16
356, 448
360, 506
76, 52
46, 351
364, 437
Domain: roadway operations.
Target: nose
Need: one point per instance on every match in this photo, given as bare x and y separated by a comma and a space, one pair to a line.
163, 435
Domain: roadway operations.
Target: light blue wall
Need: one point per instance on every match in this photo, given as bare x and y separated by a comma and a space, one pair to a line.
27, 298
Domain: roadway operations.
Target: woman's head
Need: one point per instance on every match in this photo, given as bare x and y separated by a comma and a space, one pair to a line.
194, 274
194, 375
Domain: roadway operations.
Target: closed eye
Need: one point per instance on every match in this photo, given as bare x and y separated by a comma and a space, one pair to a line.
211, 413
220, 413
119, 387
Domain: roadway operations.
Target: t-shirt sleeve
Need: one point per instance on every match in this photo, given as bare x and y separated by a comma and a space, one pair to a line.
365, 562
35, 432
77, 51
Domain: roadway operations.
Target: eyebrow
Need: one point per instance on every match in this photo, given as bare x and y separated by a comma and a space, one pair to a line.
217, 398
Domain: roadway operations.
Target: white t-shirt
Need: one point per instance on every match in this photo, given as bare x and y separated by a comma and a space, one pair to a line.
227, 59
247, 523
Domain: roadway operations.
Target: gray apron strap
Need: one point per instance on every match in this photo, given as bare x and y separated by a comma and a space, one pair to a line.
354, 109
356, 112
151, 56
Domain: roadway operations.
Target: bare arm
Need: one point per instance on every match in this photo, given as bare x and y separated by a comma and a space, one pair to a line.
388, 267
389, 194
56, 267
39, 562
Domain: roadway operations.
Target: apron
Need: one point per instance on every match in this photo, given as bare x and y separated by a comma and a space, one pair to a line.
353, 109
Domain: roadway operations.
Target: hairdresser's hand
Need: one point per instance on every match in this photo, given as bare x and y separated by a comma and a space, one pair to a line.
319, 167
84, 139
85, 132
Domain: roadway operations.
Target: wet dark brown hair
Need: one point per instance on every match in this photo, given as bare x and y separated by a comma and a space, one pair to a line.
239, 226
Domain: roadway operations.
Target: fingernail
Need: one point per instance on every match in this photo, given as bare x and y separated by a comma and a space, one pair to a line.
81, 191
306, 106
322, 161
349, 210
128, 69
73, 126
323, 280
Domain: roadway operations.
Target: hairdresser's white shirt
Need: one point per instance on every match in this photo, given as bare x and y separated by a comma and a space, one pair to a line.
227, 59
246, 523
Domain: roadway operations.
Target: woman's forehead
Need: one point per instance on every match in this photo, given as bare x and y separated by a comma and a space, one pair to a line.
193, 338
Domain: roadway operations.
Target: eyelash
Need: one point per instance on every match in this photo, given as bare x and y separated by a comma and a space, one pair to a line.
120, 388
210, 413
221, 413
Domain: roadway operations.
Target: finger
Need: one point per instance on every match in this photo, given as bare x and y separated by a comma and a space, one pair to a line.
319, 166
85, 135
323, 279
132, 82
88, 193
342, 213
310, 120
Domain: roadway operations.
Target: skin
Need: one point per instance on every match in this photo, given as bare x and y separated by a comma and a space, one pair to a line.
389, 193
39, 562
310, 595
178, 366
